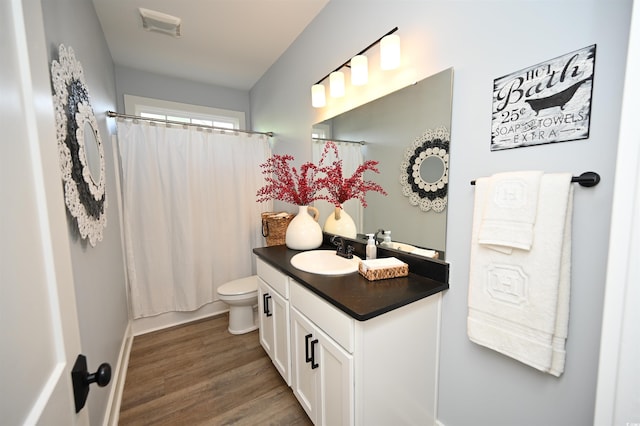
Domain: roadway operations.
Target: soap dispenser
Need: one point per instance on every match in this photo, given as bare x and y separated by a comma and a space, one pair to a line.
371, 247
386, 242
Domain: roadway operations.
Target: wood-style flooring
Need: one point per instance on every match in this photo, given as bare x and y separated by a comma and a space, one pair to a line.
200, 374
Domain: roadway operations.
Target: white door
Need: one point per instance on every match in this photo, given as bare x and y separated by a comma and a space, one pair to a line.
279, 307
266, 319
304, 370
38, 322
335, 396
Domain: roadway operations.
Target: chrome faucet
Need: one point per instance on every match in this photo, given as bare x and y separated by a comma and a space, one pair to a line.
344, 250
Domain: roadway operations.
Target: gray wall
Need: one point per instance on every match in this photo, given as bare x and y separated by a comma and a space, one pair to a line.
130, 81
482, 40
98, 272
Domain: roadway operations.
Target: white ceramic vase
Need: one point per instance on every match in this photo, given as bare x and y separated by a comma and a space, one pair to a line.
340, 223
304, 232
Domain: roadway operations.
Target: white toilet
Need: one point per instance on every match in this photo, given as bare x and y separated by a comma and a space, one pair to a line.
241, 295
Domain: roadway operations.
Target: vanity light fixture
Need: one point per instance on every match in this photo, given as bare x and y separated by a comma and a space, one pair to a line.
359, 64
318, 99
359, 70
336, 84
390, 52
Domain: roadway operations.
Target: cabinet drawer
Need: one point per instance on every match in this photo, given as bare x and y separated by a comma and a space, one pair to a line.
276, 279
329, 319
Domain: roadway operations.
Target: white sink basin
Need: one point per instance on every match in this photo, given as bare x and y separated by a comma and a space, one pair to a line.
324, 262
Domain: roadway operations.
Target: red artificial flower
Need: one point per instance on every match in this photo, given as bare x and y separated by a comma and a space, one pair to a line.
342, 189
286, 184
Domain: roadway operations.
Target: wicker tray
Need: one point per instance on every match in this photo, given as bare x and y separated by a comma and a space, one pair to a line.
274, 227
383, 273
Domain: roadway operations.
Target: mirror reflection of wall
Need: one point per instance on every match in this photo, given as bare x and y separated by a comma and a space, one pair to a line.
388, 126
91, 151
431, 169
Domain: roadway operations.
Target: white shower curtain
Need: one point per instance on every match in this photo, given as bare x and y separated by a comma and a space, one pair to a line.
190, 215
351, 156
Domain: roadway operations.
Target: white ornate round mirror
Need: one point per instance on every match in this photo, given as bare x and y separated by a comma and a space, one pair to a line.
425, 171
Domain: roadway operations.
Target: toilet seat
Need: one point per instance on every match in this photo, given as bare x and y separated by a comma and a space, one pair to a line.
240, 287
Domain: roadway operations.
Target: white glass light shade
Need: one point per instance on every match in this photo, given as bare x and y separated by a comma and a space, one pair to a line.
390, 52
318, 99
336, 84
359, 70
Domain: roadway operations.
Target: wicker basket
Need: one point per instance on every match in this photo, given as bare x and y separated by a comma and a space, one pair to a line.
384, 273
274, 227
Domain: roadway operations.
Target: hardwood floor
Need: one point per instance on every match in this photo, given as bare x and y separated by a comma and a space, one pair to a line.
200, 374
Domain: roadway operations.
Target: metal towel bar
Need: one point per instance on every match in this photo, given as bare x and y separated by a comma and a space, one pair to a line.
587, 179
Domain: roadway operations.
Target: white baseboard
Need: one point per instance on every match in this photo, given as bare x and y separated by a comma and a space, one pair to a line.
112, 412
170, 319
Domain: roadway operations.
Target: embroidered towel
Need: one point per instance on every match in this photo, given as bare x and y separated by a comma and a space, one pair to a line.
509, 211
519, 302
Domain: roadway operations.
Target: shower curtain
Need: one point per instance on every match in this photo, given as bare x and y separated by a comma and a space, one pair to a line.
351, 156
190, 215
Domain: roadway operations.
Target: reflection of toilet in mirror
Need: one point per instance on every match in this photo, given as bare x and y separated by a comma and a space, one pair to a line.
242, 297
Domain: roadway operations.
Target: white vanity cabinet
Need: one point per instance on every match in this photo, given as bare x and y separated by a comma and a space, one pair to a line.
348, 363
322, 371
273, 311
382, 371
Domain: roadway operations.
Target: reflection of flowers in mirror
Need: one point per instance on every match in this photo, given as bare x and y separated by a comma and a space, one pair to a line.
302, 187
342, 189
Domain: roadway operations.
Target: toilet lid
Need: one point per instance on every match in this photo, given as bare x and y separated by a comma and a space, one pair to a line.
240, 286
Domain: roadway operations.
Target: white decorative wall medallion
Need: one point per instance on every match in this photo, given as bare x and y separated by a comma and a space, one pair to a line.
79, 147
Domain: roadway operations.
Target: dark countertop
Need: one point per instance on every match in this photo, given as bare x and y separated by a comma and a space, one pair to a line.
352, 293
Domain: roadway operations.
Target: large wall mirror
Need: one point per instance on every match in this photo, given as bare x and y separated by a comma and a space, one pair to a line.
415, 116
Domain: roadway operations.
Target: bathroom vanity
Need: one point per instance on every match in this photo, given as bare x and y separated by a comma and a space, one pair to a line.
353, 351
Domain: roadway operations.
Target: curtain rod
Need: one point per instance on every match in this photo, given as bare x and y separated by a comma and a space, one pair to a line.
135, 117
587, 179
338, 140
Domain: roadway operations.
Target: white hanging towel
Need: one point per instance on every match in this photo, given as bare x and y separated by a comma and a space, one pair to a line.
519, 301
510, 211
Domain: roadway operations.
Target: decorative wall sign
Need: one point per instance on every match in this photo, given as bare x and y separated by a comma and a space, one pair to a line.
425, 170
548, 102
79, 147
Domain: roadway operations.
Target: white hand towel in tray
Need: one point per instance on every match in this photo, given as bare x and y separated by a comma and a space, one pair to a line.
519, 302
382, 263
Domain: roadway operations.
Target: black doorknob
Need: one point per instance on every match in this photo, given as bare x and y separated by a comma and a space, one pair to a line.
81, 379
102, 376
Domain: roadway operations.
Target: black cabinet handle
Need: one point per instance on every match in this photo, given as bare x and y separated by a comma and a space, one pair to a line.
307, 357
314, 365
267, 311
264, 302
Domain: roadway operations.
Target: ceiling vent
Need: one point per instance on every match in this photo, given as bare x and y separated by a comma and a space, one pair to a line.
160, 22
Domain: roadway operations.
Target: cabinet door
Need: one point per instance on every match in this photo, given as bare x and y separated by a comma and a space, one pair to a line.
303, 376
278, 307
336, 383
266, 320
322, 374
